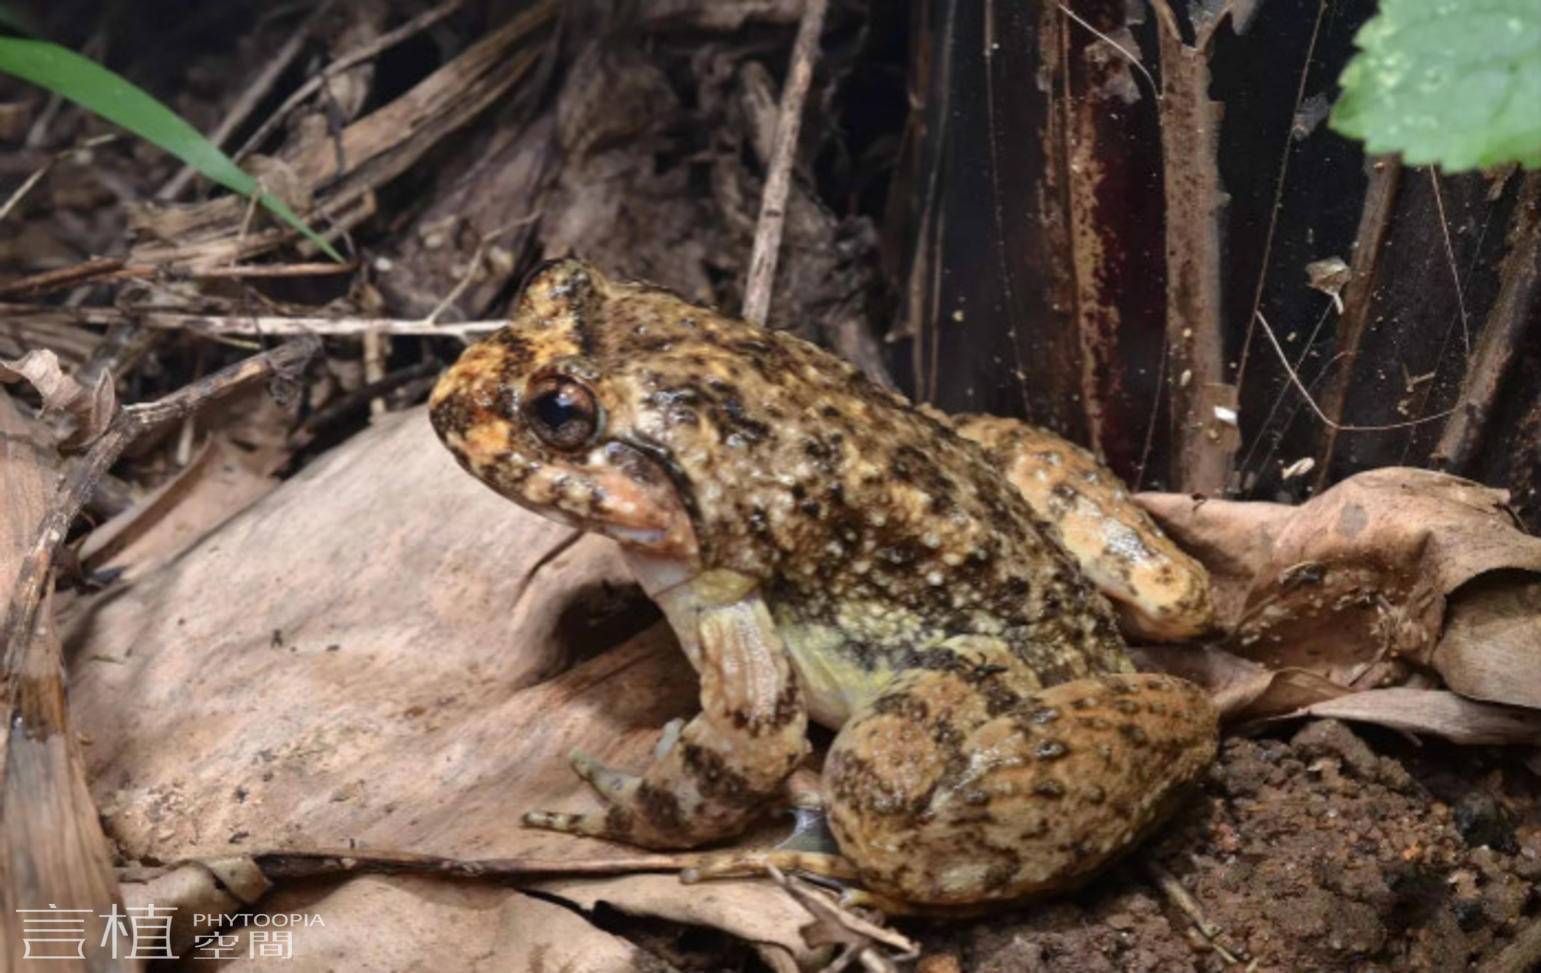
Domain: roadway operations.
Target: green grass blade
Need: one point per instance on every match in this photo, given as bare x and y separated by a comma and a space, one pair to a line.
99, 90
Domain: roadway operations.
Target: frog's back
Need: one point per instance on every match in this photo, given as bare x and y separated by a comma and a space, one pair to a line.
879, 531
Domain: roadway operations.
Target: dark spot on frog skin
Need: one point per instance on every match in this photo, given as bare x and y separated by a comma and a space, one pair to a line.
714, 778
904, 706
662, 809
1049, 788
1050, 750
618, 820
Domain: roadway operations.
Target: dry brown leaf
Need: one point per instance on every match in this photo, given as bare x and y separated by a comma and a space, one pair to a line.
216, 483
88, 410
1247, 692
378, 654
1491, 648
52, 849
1437, 712
1354, 579
1242, 689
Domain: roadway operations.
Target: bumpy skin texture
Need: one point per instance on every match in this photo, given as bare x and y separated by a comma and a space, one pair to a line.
824, 548
1159, 591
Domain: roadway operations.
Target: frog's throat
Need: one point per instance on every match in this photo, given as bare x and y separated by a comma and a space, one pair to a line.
683, 592
833, 684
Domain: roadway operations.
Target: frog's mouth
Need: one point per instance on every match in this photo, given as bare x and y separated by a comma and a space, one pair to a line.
621, 492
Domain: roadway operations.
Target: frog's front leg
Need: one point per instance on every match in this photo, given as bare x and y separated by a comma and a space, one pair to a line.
728, 764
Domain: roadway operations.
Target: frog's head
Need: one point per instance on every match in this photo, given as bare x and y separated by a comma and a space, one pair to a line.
544, 414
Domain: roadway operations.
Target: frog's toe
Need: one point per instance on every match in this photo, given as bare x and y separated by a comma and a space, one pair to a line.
609, 783
582, 824
668, 738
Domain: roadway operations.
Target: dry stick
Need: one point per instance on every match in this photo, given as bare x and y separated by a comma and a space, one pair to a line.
235, 116
1190, 125
389, 39
1305, 393
778, 180
107, 269
301, 864
1188, 906
218, 326
1374, 223
1278, 196
1455, 272
127, 426
1512, 312
41, 171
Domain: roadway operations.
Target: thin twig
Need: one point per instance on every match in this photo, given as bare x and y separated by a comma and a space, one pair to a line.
41, 171
1129, 55
1380, 199
107, 269
1502, 338
389, 39
1188, 906
1310, 401
1278, 198
214, 325
1455, 272
126, 427
778, 178
236, 114
474, 264
289, 865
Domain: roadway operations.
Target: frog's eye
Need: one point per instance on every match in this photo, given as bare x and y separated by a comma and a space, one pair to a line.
562, 412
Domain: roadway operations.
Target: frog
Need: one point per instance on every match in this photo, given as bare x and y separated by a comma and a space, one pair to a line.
827, 552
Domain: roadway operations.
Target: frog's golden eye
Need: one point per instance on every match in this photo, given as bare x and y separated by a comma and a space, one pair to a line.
561, 411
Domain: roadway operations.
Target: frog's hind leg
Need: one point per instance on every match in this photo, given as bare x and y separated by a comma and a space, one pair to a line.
1159, 590
966, 784
712, 777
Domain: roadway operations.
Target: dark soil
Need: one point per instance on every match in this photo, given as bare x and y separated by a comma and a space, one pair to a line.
1319, 853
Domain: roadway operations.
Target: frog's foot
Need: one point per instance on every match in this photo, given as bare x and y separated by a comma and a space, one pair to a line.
737, 864
958, 787
615, 787
817, 863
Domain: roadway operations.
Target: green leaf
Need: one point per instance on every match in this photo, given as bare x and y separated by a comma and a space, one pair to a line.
97, 89
1452, 82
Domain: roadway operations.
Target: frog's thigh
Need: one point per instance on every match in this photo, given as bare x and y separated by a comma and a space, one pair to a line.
724, 767
1159, 590
953, 788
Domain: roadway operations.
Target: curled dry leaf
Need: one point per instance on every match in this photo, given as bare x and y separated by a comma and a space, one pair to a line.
1491, 648
1390, 567
1435, 711
87, 410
